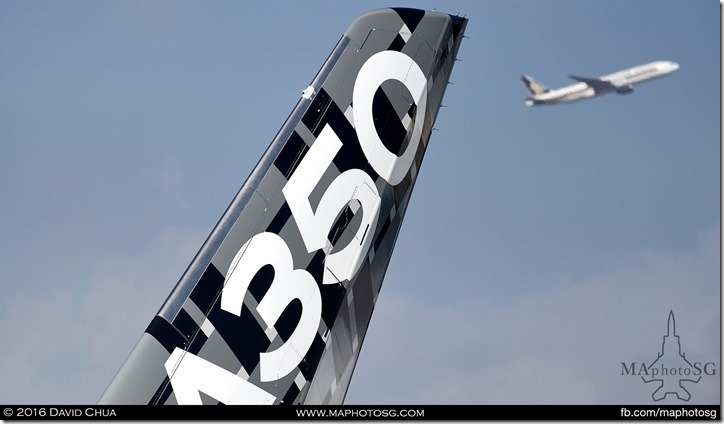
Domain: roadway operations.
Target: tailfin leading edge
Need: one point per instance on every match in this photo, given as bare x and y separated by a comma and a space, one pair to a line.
275, 306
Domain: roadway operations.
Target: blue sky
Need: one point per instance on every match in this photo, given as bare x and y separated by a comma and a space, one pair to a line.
542, 246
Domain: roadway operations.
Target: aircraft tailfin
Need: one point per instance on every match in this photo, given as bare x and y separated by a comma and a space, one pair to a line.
275, 306
532, 86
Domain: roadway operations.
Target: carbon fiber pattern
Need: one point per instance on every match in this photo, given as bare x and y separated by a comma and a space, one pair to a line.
192, 319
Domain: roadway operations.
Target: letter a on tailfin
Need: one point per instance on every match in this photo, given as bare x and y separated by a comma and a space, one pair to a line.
274, 307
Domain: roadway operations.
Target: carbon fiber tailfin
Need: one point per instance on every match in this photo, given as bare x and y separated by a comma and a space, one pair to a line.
275, 306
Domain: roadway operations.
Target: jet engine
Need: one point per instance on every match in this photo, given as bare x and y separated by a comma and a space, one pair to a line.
625, 89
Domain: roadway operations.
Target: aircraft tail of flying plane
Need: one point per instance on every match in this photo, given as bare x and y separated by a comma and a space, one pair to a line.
274, 307
621, 82
532, 86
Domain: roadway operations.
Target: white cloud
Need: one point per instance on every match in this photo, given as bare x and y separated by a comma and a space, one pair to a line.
62, 346
169, 180
563, 344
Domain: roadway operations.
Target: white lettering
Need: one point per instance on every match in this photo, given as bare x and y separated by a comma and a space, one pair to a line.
190, 374
289, 284
379, 68
314, 227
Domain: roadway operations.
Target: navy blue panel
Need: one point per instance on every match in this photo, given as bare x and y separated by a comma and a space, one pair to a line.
162, 394
311, 359
317, 121
338, 228
397, 44
387, 123
411, 17
316, 266
185, 324
166, 334
288, 320
291, 155
350, 156
280, 218
197, 342
261, 282
291, 395
243, 334
208, 288
332, 297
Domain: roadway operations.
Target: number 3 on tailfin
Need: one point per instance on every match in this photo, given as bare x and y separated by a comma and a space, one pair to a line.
274, 307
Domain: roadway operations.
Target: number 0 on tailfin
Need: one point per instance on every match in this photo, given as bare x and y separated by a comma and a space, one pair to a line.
274, 307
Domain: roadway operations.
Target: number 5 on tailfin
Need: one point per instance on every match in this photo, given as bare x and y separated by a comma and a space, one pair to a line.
274, 307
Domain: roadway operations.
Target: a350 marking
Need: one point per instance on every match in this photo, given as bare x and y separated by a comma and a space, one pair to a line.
190, 374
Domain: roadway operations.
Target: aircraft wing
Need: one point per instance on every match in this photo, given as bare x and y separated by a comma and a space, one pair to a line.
275, 306
596, 83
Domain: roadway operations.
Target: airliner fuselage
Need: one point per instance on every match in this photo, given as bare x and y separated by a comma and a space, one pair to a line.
621, 82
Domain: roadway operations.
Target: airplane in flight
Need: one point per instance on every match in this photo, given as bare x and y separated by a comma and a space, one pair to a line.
274, 307
621, 82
